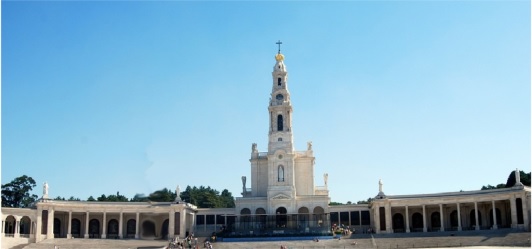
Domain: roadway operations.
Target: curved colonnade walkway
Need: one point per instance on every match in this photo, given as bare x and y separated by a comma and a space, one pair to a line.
489, 239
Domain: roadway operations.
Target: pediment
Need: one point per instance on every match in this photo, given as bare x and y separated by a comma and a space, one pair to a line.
281, 197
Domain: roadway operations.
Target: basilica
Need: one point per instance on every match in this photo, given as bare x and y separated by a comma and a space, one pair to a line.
282, 200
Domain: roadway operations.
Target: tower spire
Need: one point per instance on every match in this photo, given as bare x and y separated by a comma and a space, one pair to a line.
279, 44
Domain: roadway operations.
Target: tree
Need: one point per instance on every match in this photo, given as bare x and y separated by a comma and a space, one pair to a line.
206, 197
91, 198
524, 177
366, 201
163, 195
113, 198
139, 198
333, 203
17, 192
510, 182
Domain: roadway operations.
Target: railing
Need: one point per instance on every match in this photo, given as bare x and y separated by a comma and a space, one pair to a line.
9, 235
24, 235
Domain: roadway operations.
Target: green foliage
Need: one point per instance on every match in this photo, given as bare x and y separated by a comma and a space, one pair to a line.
206, 197
366, 201
113, 198
17, 192
72, 198
139, 198
333, 203
510, 182
59, 198
501, 185
163, 195
91, 198
524, 177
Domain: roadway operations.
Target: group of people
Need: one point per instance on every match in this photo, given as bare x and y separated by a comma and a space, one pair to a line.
188, 242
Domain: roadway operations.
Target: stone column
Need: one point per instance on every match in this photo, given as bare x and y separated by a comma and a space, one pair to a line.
494, 215
16, 232
183, 221
2, 228
459, 217
442, 228
171, 224
526, 214
377, 220
513, 209
38, 226
137, 232
407, 220
388, 210
120, 225
476, 217
69, 231
424, 220
86, 225
104, 225
50, 227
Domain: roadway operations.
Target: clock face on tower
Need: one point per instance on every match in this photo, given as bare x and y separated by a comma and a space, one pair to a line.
279, 97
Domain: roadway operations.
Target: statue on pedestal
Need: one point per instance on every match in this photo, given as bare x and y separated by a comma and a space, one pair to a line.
45, 190
325, 178
243, 185
177, 192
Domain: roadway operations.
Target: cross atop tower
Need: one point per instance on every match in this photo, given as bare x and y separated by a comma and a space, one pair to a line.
279, 43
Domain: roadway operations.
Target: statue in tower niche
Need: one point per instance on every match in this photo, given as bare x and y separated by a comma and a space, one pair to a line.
177, 192
45, 190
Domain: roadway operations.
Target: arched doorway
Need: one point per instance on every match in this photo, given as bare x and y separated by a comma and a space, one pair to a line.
131, 228
454, 219
94, 228
303, 218
112, 229
435, 221
417, 221
280, 217
245, 218
164, 229
9, 225
398, 223
318, 214
148, 229
25, 224
261, 217
57, 228
76, 228
472, 218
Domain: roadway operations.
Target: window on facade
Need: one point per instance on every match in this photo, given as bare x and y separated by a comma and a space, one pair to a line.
280, 139
280, 173
278, 81
279, 122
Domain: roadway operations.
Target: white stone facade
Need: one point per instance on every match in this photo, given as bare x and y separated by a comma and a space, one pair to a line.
282, 197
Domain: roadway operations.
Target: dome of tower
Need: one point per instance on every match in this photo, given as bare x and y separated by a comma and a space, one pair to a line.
279, 65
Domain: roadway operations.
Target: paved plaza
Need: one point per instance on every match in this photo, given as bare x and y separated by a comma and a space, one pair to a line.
481, 240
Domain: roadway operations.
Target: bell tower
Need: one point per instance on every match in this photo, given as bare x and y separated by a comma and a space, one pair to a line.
280, 109
281, 154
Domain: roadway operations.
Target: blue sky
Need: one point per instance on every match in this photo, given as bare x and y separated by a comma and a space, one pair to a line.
135, 96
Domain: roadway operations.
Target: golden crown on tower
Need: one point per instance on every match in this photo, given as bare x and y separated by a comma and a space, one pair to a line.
279, 57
